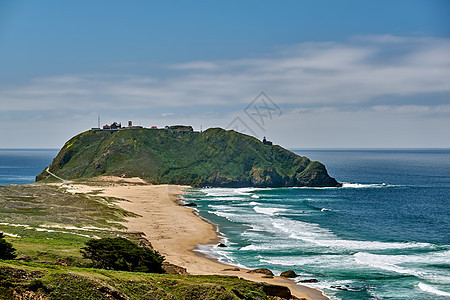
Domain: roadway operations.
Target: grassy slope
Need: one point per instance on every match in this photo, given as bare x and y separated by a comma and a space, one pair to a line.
51, 223
215, 157
56, 282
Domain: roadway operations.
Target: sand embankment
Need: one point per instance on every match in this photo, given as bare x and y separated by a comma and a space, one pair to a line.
174, 230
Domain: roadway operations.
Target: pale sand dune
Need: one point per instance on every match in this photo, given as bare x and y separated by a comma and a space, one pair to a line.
175, 230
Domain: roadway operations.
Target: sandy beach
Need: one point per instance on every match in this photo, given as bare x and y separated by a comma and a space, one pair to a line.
175, 230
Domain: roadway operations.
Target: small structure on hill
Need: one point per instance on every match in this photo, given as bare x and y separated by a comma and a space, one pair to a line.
113, 126
266, 142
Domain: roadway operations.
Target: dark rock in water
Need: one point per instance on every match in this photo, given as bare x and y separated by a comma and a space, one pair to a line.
277, 291
231, 269
309, 281
191, 204
221, 245
262, 271
288, 274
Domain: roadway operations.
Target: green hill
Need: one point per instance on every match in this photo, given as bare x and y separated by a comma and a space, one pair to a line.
215, 157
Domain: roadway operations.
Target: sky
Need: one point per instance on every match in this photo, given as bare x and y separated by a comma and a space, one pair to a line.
305, 74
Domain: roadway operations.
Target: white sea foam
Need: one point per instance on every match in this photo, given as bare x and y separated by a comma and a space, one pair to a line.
250, 247
219, 192
249, 190
227, 192
363, 185
254, 203
432, 290
254, 196
384, 262
408, 264
228, 216
313, 233
222, 208
268, 210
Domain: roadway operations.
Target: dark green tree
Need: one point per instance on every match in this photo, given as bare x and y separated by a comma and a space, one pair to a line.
7, 250
122, 254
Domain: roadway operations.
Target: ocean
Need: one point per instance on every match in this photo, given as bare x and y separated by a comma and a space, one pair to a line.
384, 235
20, 166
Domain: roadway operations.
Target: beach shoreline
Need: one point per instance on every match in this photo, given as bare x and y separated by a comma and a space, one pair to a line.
175, 230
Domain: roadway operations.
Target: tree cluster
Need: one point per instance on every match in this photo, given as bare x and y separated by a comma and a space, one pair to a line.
123, 255
7, 251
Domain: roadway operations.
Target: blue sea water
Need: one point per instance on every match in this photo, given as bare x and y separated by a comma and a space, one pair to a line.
384, 235
20, 166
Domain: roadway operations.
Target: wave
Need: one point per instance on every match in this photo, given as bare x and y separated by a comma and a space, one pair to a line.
417, 264
268, 210
252, 247
432, 290
365, 186
219, 192
232, 192
314, 234
383, 262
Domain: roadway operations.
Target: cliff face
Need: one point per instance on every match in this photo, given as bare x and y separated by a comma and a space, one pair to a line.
215, 157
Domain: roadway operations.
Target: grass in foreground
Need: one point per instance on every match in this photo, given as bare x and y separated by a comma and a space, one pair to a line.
38, 281
48, 224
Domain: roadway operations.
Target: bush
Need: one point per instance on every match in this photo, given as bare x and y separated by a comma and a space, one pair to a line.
123, 255
7, 251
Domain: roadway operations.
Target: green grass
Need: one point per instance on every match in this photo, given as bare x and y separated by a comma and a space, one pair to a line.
50, 222
56, 282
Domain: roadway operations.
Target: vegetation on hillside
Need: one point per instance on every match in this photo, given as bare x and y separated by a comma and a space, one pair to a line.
122, 255
7, 250
50, 224
36, 281
215, 157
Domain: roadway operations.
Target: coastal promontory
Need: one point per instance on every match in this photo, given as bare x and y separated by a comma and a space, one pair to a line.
214, 157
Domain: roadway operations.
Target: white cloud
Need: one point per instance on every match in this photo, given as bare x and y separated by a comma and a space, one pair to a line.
193, 65
341, 82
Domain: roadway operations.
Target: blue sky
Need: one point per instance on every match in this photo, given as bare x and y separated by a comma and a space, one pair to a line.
343, 73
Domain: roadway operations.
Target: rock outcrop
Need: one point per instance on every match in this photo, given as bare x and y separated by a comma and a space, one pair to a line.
261, 271
288, 274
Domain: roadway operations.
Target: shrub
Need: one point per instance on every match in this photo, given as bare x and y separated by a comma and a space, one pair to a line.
7, 251
123, 255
